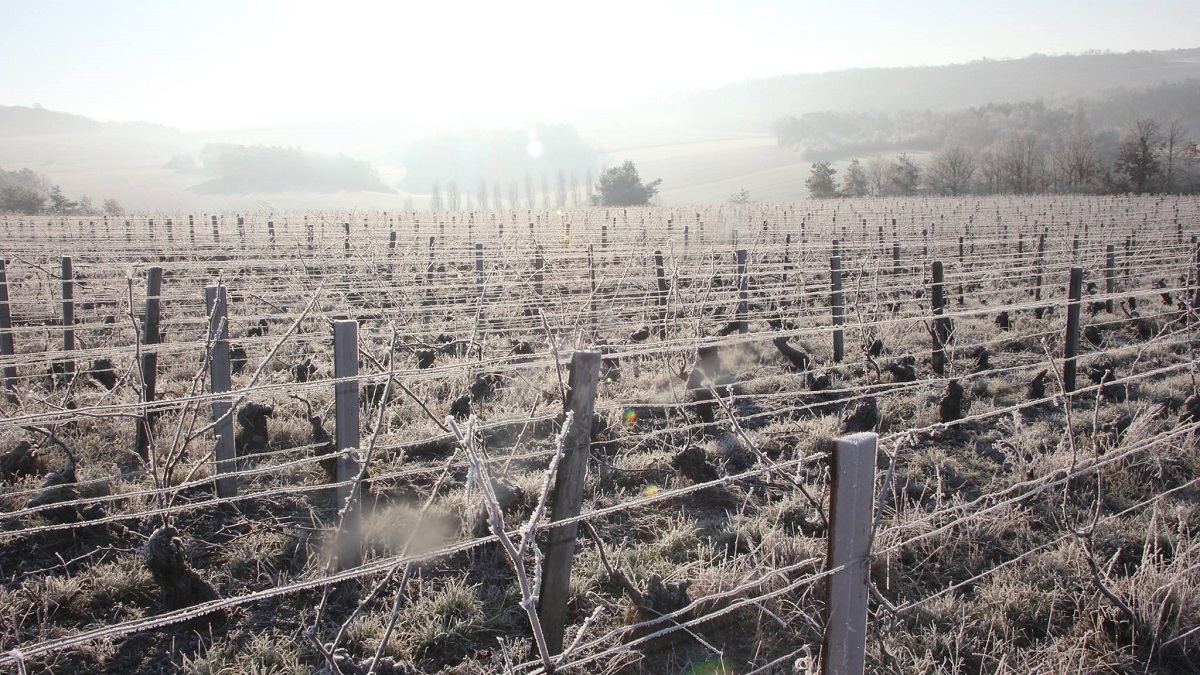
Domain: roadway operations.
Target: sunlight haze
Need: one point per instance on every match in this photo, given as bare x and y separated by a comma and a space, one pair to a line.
223, 65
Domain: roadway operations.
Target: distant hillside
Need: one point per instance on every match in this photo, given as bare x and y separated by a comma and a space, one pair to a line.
18, 121
243, 169
843, 134
753, 105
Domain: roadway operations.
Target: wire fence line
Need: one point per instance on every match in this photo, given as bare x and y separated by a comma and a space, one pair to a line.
510, 313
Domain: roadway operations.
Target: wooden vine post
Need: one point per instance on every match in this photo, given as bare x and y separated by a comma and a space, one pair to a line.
1110, 277
592, 285
68, 318
217, 300
7, 349
962, 271
1037, 292
1196, 255
149, 365
787, 249
743, 292
660, 299
567, 500
851, 501
1071, 346
835, 301
348, 548
941, 325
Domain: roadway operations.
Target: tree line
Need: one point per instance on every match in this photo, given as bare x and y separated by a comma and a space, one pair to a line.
28, 192
1148, 156
561, 191
618, 186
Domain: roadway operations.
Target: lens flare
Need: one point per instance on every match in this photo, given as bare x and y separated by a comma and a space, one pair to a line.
714, 667
535, 148
630, 418
651, 490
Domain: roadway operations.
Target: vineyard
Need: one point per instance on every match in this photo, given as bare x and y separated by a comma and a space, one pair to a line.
603, 441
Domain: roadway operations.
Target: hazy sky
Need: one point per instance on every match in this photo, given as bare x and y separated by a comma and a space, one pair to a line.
219, 64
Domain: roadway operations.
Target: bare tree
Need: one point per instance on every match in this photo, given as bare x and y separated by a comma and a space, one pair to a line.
1175, 141
1023, 162
991, 170
545, 190
950, 170
496, 195
877, 173
574, 190
481, 194
452, 197
590, 186
560, 196
530, 195
435, 197
1075, 160
514, 195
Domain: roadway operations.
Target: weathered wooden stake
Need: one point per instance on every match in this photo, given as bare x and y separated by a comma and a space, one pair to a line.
346, 240
743, 293
539, 264
1110, 277
217, 301
592, 284
1071, 347
835, 301
216, 231
1039, 312
660, 298
895, 258
68, 318
787, 256
7, 349
941, 328
962, 270
1196, 255
345, 367
149, 365
851, 501
271, 233
568, 497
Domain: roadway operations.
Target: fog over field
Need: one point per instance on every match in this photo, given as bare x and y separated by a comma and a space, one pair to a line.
381, 107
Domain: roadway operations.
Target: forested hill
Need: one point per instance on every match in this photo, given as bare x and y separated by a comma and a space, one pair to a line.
1060, 80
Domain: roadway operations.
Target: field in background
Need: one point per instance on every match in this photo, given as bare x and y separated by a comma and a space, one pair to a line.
696, 168
1019, 528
